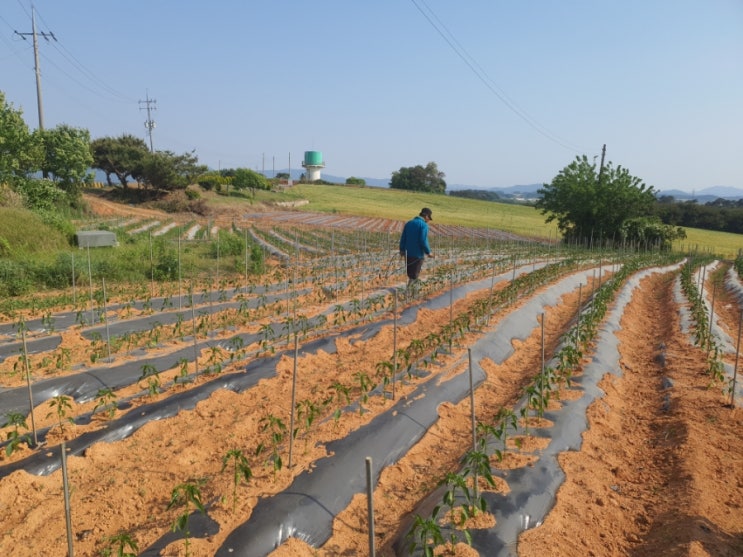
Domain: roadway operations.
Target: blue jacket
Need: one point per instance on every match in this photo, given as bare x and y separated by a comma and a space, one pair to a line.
414, 239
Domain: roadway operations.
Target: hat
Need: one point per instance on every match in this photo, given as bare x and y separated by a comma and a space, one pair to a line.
426, 212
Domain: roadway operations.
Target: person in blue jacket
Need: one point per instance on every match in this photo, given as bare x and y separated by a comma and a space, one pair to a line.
414, 243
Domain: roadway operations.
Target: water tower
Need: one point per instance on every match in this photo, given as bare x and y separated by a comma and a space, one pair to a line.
313, 163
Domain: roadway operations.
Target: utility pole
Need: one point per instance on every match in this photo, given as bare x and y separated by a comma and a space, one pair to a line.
149, 124
35, 35
601, 168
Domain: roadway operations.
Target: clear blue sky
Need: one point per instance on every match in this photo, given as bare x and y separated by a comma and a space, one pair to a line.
496, 92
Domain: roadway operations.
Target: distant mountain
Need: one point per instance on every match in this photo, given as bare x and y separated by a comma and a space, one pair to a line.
726, 192
705, 195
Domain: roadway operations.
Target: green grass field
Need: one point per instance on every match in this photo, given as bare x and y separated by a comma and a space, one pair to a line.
404, 205
24, 234
519, 219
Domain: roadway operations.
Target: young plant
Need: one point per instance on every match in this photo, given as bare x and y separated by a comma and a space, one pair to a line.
106, 401
342, 397
47, 321
15, 437
307, 411
477, 465
268, 335
150, 373
385, 371
277, 430
365, 386
241, 471
121, 545
182, 372
425, 534
215, 360
186, 495
60, 405
455, 483
505, 420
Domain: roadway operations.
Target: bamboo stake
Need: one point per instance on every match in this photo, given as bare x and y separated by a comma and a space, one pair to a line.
27, 370
370, 505
294, 399
67, 509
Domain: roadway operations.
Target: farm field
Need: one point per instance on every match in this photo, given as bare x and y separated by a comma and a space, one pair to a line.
184, 399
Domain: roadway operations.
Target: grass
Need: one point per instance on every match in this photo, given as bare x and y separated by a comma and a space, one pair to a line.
724, 244
23, 233
519, 219
403, 205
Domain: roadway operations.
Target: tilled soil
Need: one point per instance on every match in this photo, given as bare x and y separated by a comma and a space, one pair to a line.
660, 471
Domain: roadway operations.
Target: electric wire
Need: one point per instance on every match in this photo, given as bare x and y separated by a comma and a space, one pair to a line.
73, 61
88, 74
480, 73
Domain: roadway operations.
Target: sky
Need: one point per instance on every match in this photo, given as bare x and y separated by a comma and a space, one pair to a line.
497, 93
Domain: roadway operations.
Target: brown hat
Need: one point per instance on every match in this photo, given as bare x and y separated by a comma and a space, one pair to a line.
426, 212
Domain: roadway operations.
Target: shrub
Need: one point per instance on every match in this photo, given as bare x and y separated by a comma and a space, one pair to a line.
229, 245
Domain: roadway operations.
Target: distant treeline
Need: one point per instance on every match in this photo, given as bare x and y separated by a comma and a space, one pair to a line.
723, 215
484, 195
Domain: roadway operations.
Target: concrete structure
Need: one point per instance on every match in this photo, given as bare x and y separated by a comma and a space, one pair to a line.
314, 164
96, 239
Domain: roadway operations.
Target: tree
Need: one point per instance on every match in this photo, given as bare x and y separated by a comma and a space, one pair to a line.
418, 178
354, 181
120, 156
212, 181
67, 157
20, 151
649, 232
244, 178
164, 170
586, 209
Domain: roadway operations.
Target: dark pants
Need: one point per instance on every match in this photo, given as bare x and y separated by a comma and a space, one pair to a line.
414, 265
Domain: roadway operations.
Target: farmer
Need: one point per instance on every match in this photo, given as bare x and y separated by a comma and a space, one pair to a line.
414, 243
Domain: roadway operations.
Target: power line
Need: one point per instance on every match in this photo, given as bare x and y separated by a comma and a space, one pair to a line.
89, 74
480, 73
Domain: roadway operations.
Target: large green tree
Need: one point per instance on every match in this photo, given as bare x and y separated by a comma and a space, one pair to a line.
419, 178
67, 157
590, 205
166, 171
244, 178
119, 156
21, 151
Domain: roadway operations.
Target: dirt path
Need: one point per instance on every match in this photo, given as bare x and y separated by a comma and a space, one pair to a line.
661, 469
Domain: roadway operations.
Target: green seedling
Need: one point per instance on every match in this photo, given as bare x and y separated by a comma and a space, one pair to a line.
342, 395
150, 373
241, 471
15, 437
106, 401
277, 430
425, 535
186, 494
121, 545
365, 386
182, 372
61, 406
307, 412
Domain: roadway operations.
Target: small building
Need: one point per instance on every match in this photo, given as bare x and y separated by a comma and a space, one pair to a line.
96, 239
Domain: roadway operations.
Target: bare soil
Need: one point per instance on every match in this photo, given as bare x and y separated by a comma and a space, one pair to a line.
660, 471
